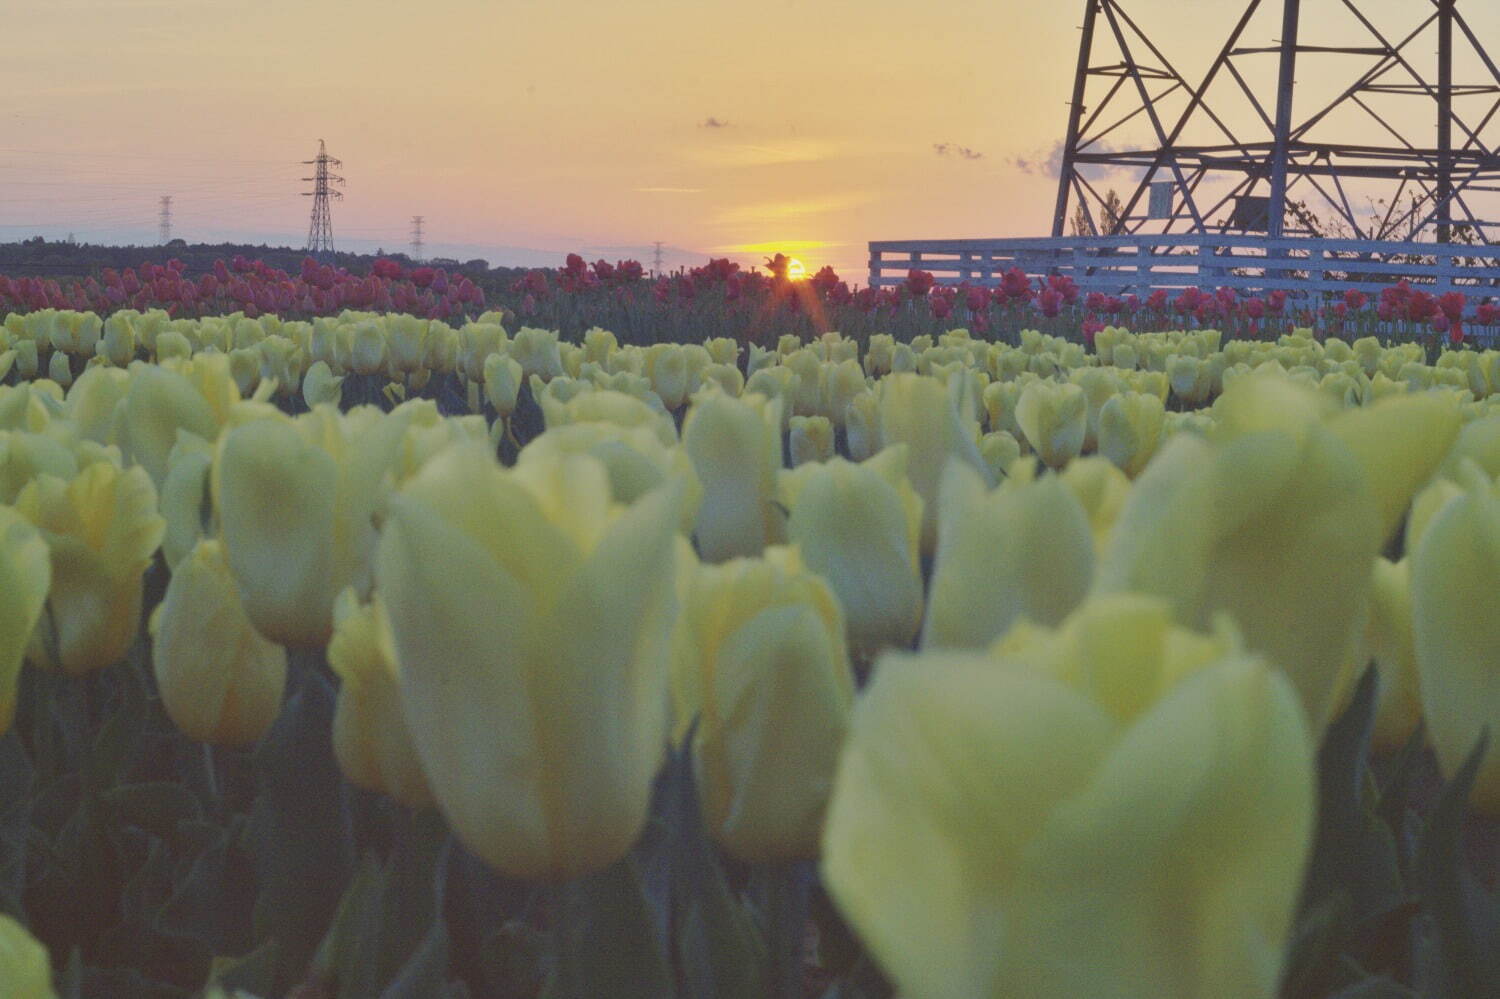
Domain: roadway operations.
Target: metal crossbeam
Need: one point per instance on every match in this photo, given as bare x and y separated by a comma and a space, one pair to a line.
1285, 147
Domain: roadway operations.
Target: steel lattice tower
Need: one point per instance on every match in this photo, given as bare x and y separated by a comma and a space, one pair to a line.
320, 229
1399, 130
164, 220
416, 238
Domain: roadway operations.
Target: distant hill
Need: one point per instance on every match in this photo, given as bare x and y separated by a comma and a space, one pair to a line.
39, 257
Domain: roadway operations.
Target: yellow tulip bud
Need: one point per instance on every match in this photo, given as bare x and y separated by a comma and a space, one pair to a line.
724, 350
406, 337
862, 425
186, 504
94, 402
58, 369
276, 491
220, 681
320, 386
118, 342
669, 375
635, 458
1130, 430
761, 664
1017, 826
367, 350
1054, 418
25, 575
1101, 489
244, 368
502, 383
932, 420
735, 446
158, 404
811, 439
858, 526
101, 530
1455, 603
845, 380
540, 738
26, 359
1023, 550
1389, 638
537, 353
1224, 524
605, 406
370, 740
25, 967
1000, 450
726, 377
477, 341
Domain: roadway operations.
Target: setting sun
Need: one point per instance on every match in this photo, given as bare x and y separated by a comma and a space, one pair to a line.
794, 270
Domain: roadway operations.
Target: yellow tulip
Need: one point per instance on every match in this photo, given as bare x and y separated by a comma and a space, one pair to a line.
810, 440
1101, 489
1399, 707
735, 446
537, 352
220, 681
1275, 520
502, 383
1130, 430
669, 374
370, 740
858, 526
94, 403
1018, 826
1000, 450
540, 732
636, 459
1455, 603
761, 663
25, 575
158, 404
1023, 550
367, 349
25, 967
406, 339
186, 503
320, 386
933, 422
276, 493
1054, 418
862, 425
101, 529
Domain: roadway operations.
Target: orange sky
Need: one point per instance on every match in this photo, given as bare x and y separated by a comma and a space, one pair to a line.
546, 127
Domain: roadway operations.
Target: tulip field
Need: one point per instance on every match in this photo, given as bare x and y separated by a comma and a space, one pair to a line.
377, 654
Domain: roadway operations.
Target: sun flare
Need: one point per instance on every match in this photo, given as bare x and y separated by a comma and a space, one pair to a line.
795, 270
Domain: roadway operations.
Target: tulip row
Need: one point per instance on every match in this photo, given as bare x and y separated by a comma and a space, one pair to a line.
1105, 606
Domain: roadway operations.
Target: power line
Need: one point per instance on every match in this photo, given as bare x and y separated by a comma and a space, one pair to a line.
165, 219
320, 228
416, 238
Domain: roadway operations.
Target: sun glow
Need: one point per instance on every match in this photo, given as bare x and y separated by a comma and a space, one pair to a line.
795, 271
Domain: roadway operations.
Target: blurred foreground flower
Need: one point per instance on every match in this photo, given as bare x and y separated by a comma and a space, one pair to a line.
540, 731
1117, 808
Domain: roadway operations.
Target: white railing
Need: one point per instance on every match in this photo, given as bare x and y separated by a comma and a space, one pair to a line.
1140, 264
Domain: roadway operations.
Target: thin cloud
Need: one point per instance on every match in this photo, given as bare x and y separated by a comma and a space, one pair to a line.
951, 149
670, 190
712, 122
791, 210
769, 154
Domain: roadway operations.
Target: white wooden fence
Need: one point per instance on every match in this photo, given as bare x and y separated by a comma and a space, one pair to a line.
1140, 264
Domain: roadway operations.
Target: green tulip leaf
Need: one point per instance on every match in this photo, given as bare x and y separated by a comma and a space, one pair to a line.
1465, 917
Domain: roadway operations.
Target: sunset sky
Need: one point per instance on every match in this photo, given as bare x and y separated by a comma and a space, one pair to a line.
523, 129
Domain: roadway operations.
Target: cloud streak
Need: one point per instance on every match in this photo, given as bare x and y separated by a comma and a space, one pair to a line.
670, 190
712, 122
793, 210
765, 154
